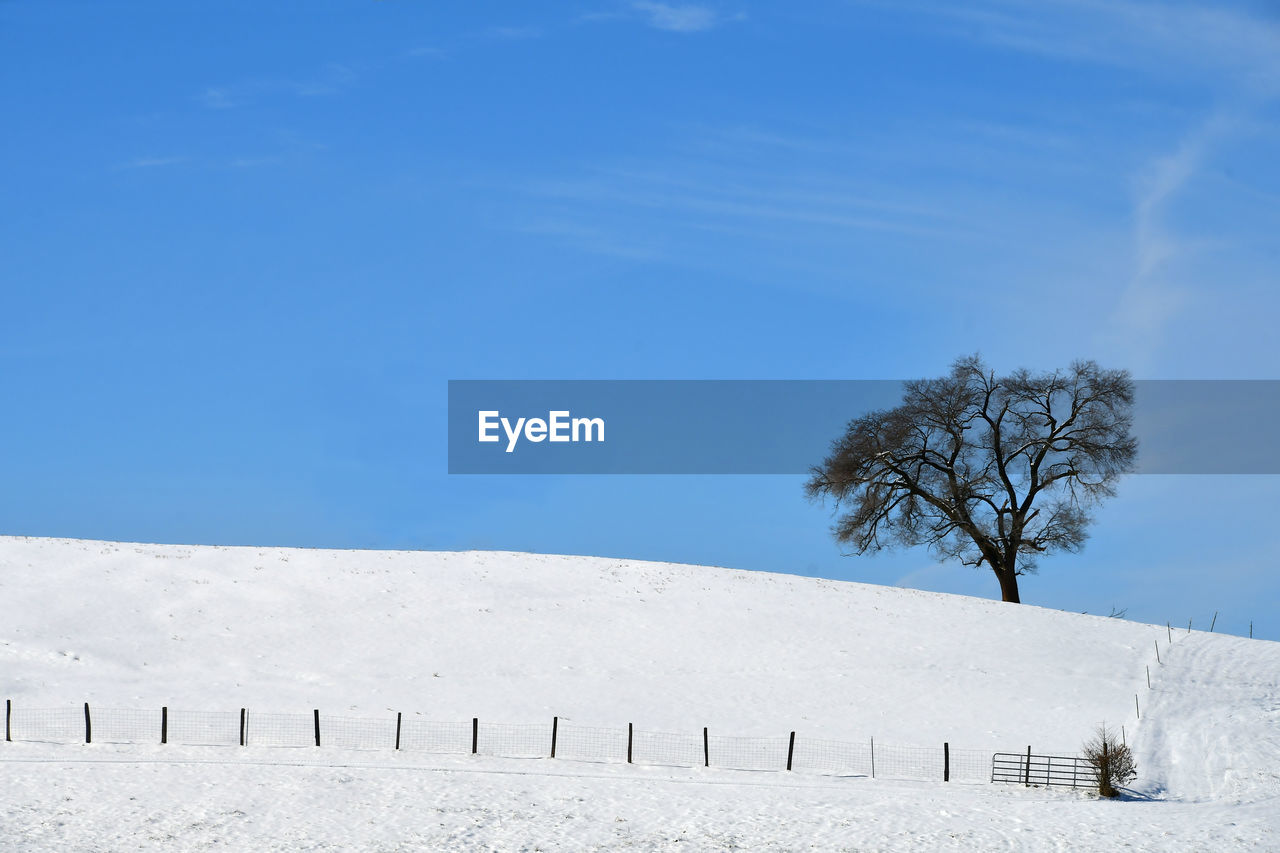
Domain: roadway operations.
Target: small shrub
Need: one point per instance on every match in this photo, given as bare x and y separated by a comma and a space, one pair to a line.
1111, 760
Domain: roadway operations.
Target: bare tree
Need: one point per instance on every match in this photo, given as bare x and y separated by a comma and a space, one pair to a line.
986, 470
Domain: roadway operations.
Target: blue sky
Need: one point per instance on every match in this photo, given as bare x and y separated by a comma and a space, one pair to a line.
247, 245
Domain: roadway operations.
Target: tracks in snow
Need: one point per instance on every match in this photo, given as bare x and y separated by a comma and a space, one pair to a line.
1211, 728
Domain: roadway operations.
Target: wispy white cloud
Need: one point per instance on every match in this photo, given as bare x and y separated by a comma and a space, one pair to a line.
334, 78
1161, 38
1153, 296
151, 162
745, 197
677, 18
1231, 58
592, 239
1164, 177
219, 98
727, 187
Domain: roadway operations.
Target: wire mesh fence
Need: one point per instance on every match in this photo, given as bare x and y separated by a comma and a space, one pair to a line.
668, 749
908, 762
279, 729
432, 736
557, 738
747, 753
970, 765
202, 728
126, 725
589, 743
54, 725
834, 756
358, 732
514, 741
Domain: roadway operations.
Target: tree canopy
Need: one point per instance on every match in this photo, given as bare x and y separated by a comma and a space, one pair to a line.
983, 469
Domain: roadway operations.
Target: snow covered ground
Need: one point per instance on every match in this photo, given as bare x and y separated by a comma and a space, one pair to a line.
598, 642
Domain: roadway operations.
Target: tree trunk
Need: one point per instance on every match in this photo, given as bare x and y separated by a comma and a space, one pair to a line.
1008, 586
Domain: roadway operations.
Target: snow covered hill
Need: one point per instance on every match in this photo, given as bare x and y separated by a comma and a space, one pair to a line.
521, 637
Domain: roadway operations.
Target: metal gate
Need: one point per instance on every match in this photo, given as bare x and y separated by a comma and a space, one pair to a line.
1028, 769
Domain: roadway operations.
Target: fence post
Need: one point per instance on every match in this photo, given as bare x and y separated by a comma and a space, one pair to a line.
791, 749
316, 712
873, 758
555, 727
1136, 711
946, 762
1148, 678
88, 725
8, 719
244, 714
1214, 622
1026, 772
630, 738
475, 735
398, 713
1169, 630
1158, 652
706, 748
164, 724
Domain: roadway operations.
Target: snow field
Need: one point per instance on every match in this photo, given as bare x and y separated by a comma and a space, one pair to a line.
518, 638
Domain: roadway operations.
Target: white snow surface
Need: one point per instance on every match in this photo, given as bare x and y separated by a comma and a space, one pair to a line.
519, 638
